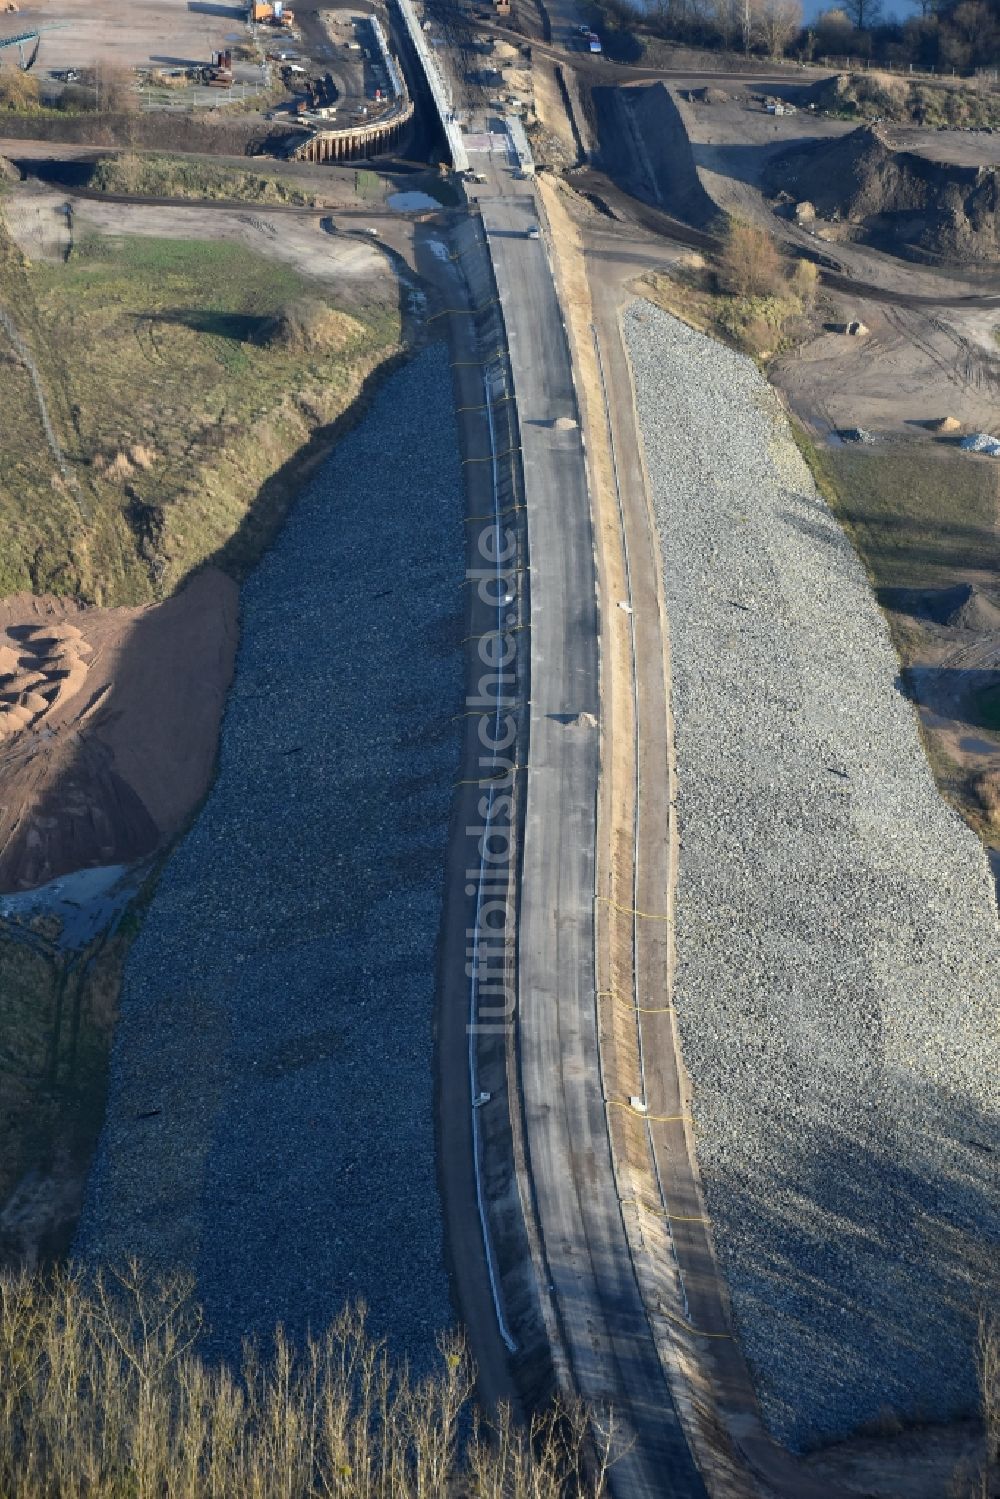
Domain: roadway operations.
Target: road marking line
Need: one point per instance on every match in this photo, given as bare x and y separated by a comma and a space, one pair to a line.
497, 778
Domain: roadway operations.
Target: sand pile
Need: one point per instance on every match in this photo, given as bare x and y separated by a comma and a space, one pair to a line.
41, 667
897, 199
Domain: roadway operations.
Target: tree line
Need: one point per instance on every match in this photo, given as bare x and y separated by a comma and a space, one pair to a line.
941, 35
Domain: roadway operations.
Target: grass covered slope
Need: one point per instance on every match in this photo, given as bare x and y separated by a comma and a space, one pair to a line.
171, 397
927, 526
186, 177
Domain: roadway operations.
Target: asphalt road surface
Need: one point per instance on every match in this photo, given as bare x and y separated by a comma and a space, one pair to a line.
606, 1336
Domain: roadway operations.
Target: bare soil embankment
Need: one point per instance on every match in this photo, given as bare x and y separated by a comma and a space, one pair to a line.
108, 721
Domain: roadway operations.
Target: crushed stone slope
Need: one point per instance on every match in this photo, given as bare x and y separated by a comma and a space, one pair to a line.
270, 1123
837, 936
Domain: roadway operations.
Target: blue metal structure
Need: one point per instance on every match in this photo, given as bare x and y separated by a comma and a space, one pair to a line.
21, 39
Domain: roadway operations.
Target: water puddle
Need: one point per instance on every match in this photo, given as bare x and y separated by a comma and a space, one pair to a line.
412, 202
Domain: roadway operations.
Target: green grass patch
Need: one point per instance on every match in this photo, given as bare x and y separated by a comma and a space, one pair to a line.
174, 405
920, 519
180, 177
760, 326
923, 520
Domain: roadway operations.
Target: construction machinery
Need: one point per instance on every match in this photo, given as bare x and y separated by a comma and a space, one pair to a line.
270, 13
219, 73
23, 39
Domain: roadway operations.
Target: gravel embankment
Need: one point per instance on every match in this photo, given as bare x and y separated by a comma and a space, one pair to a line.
278, 1003
837, 933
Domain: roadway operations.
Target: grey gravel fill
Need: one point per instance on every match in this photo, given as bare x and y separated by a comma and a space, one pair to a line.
837, 935
278, 1003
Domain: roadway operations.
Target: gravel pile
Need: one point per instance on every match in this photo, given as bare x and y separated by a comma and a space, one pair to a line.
270, 1122
837, 934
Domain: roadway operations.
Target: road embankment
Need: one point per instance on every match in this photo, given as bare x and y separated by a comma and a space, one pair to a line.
270, 1121
836, 929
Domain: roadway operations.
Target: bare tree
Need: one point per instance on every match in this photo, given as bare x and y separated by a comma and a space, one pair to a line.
833, 33
114, 87
863, 14
778, 21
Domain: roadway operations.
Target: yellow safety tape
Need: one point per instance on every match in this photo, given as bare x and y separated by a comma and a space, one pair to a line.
501, 775
630, 910
487, 712
622, 1103
695, 1332
486, 406
639, 1009
492, 634
522, 567
447, 311
493, 457
511, 510
647, 1207
461, 364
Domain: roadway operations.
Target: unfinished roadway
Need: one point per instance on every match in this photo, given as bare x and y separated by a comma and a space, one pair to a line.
598, 1336
602, 1323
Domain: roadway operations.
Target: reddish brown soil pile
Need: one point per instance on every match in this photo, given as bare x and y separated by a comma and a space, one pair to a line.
108, 725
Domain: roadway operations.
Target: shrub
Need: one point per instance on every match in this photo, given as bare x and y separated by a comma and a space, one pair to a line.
805, 281
102, 1393
18, 91
749, 263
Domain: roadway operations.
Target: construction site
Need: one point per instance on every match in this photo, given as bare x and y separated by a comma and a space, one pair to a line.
645, 839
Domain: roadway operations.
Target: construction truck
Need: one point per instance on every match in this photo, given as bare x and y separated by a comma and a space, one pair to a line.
270, 13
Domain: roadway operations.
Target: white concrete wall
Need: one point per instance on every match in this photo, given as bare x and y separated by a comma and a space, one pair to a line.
439, 89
